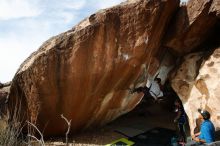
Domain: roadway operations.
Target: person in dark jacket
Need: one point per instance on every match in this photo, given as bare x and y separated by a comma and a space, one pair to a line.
180, 119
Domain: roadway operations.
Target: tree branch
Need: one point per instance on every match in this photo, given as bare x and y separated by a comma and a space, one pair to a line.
69, 125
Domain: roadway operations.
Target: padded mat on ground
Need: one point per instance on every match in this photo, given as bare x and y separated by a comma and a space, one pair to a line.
154, 137
121, 142
128, 131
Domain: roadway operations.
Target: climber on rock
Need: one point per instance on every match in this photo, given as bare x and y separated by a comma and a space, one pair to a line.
154, 91
207, 130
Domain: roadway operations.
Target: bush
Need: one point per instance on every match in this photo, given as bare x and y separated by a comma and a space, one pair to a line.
10, 130
9, 135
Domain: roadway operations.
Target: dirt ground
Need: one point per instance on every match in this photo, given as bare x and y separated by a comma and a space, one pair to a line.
142, 118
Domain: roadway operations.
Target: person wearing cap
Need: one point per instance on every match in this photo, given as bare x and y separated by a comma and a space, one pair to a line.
207, 129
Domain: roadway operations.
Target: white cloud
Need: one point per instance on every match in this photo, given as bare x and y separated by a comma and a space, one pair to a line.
61, 17
100, 4
77, 5
17, 44
13, 52
10, 9
67, 17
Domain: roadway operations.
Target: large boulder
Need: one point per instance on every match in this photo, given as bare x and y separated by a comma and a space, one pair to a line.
197, 84
192, 25
85, 73
4, 91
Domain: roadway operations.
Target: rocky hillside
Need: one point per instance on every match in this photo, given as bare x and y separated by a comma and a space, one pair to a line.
86, 73
4, 90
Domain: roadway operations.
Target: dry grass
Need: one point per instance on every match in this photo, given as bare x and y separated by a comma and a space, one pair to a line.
10, 130
9, 133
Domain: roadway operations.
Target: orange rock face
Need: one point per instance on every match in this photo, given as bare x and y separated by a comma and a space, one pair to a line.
192, 25
85, 73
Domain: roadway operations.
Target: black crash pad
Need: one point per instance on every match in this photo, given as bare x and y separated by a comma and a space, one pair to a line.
154, 137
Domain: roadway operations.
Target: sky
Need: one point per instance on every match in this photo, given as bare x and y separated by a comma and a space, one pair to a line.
26, 24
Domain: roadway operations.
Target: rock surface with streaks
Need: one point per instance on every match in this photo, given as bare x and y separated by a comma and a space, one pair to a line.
85, 73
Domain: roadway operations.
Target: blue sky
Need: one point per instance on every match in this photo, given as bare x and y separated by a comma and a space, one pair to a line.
26, 24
